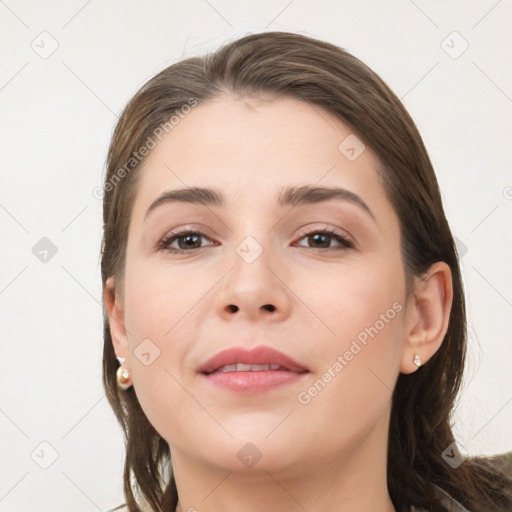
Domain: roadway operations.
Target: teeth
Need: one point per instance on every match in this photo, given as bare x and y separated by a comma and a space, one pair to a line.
240, 367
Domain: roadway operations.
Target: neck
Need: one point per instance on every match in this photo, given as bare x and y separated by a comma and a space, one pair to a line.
353, 480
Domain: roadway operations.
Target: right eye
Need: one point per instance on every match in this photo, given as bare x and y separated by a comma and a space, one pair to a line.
186, 240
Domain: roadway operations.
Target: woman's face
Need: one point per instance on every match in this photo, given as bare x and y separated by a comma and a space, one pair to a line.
260, 271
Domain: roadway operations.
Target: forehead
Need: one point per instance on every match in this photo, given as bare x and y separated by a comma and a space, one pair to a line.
241, 128
253, 147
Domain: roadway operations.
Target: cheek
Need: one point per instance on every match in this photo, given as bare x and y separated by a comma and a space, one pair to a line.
361, 301
158, 299
353, 388
163, 310
360, 349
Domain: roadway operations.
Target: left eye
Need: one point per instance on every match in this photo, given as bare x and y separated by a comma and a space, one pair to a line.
325, 237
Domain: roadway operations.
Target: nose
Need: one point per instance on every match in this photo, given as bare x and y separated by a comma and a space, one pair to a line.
254, 291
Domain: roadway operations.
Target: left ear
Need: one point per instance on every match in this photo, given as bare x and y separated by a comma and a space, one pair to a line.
427, 315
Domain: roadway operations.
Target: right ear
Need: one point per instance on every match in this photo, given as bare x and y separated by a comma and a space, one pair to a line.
116, 321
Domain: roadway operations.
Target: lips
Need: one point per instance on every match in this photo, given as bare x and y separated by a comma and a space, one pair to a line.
241, 371
259, 359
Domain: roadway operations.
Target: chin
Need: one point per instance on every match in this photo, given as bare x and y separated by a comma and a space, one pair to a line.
253, 459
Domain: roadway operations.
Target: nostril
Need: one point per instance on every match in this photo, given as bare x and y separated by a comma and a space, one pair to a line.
269, 307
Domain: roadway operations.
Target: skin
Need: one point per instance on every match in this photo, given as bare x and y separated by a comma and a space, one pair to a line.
328, 454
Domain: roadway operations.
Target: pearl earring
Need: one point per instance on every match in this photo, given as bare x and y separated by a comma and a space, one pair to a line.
123, 378
417, 360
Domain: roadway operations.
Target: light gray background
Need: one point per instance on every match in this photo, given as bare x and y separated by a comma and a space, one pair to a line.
57, 115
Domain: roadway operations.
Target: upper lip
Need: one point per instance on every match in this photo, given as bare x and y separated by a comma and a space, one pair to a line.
259, 355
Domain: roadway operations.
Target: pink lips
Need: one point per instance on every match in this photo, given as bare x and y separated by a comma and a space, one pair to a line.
288, 370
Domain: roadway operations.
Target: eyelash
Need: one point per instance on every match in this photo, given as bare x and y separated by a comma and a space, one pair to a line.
164, 244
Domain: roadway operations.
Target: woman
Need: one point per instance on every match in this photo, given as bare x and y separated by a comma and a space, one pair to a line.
282, 288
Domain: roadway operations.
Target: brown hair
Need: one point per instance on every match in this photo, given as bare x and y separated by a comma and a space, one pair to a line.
300, 67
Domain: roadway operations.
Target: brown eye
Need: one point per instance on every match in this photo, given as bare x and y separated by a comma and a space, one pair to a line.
323, 240
186, 241
190, 241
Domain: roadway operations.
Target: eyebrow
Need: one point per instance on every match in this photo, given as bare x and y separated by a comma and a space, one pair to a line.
290, 196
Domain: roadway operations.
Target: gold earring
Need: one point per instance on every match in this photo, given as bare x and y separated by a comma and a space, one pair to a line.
123, 378
417, 360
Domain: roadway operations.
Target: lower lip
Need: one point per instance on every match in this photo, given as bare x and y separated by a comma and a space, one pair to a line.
253, 382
